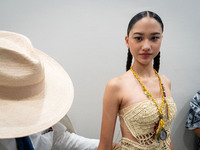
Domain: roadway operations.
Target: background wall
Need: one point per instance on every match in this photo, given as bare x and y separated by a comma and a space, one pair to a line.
87, 39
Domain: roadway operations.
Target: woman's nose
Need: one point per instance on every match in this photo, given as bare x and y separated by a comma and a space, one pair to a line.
146, 45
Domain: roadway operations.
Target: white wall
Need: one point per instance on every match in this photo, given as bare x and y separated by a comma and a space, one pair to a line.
87, 39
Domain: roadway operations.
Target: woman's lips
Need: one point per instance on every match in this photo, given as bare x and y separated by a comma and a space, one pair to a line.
145, 55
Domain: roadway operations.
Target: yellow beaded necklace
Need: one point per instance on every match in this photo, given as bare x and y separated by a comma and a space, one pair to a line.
159, 131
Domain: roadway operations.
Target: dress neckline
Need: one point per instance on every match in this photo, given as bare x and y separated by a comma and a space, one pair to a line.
138, 103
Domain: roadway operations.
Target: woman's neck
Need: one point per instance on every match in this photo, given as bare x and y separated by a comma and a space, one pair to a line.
144, 71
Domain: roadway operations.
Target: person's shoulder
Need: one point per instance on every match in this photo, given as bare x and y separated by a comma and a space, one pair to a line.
166, 80
196, 97
114, 83
117, 82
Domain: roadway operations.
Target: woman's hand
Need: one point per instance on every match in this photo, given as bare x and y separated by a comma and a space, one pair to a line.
115, 146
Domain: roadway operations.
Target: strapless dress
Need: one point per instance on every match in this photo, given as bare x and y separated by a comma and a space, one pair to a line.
139, 120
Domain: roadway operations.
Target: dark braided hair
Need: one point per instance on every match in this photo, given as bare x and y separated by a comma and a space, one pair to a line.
156, 62
129, 60
132, 22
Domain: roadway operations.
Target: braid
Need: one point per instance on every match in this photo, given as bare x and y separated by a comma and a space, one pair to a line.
156, 62
129, 60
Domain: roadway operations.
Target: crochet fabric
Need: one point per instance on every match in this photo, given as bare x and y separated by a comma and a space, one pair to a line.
139, 120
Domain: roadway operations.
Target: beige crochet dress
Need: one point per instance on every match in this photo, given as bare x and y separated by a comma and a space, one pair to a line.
139, 120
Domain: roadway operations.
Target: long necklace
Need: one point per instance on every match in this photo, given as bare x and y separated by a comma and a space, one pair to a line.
159, 131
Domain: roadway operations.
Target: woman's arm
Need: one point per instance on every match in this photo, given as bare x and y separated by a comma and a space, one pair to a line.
110, 109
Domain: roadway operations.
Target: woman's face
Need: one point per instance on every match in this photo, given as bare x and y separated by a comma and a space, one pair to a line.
144, 40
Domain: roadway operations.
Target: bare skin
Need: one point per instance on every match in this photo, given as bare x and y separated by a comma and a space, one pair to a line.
197, 131
144, 43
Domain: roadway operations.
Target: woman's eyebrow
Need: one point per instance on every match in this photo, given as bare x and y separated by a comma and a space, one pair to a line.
138, 33
155, 33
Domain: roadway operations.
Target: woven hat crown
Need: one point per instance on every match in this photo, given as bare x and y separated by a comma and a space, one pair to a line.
21, 72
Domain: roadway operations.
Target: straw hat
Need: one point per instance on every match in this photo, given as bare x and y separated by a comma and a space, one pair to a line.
35, 91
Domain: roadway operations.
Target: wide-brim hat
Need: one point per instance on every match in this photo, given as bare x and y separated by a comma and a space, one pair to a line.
35, 91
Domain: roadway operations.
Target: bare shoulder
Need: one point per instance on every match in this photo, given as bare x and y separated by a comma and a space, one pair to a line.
166, 80
117, 82
112, 93
115, 86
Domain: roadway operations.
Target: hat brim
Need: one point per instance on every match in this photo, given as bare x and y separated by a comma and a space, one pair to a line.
31, 115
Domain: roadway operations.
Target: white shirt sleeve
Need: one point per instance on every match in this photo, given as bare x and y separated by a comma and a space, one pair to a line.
64, 140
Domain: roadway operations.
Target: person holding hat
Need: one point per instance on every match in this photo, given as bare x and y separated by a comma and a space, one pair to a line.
35, 94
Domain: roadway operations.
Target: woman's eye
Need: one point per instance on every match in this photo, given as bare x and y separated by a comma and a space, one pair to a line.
154, 38
138, 38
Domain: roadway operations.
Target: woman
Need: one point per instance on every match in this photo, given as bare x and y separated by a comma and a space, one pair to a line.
140, 96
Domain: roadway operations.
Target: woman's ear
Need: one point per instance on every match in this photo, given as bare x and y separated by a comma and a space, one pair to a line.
127, 42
